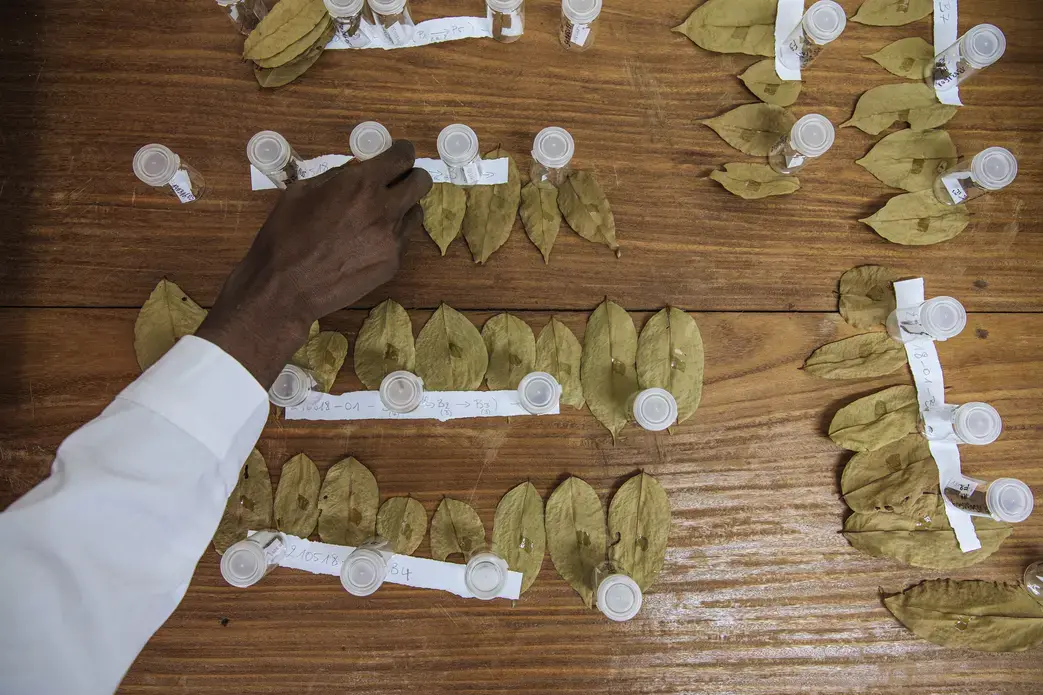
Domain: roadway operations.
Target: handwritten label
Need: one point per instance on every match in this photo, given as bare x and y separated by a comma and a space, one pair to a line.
425, 33
181, 184
579, 35
308, 168
788, 58
513, 24
954, 185
492, 171
946, 32
435, 405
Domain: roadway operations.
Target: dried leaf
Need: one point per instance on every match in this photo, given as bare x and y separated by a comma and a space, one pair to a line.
911, 491
285, 24
867, 295
444, 208
384, 344
402, 521
491, 211
455, 528
558, 354
919, 219
249, 506
576, 535
892, 13
876, 420
970, 614
733, 26
313, 330
859, 357
512, 351
519, 534
348, 504
166, 316
297, 497
906, 57
869, 466
607, 370
638, 526
298, 47
911, 159
540, 215
450, 352
753, 128
766, 85
670, 356
881, 107
323, 356
285, 74
586, 209
753, 181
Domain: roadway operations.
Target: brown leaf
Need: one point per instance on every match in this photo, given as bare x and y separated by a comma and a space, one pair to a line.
753, 128
876, 420
608, 370
733, 26
519, 532
402, 521
558, 354
249, 506
384, 344
287, 73
166, 316
766, 85
869, 466
867, 295
859, 357
754, 181
892, 13
881, 107
298, 47
639, 524
450, 352
586, 209
918, 219
908, 58
541, 216
444, 208
284, 25
491, 211
576, 535
670, 356
297, 497
512, 351
911, 159
348, 504
323, 356
456, 528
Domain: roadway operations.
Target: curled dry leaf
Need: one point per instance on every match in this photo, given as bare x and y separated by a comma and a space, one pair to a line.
876, 420
670, 356
911, 159
288, 72
867, 295
249, 506
384, 344
586, 209
733, 26
766, 85
166, 316
908, 58
519, 533
444, 208
297, 497
859, 357
916, 104
287, 22
298, 47
491, 211
558, 354
607, 370
540, 215
450, 352
754, 181
918, 219
970, 614
348, 504
638, 527
753, 128
576, 535
512, 351
869, 466
402, 521
892, 13
455, 528
323, 356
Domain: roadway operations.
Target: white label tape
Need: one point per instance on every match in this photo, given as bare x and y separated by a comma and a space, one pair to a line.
953, 185
579, 35
435, 405
787, 19
425, 33
309, 168
181, 184
493, 170
946, 32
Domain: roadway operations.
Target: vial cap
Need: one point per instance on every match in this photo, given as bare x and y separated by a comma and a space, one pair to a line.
943, 318
538, 392
486, 575
368, 140
983, 45
977, 423
387, 7
503, 5
553, 147
344, 8
457, 144
268, 151
581, 11
291, 387
401, 392
825, 21
363, 572
655, 409
619, 597
244, 564
1009, 500
156, 164
813, 135
994, 168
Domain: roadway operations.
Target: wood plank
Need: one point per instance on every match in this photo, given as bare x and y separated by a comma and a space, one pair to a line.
760, 593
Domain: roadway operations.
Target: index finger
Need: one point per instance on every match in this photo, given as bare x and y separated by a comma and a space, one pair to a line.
391, 164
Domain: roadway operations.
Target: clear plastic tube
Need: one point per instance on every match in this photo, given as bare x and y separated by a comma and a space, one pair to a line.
369, 139
1004, 499
292, 387
507, 19
578, 25
821, 24
159, 167
811, 137
653, 409
393, 17
552, 152
272, 155
939, 318
971, 423
247, 562
617, 596
365, 569
458, 149
539, 393
485, 574
347, 16
1034, 580
245, 14
401, 392
973, 52
990, 170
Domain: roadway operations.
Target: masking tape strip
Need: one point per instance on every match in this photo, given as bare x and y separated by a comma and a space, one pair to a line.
946, 31
435, 405
494, 171
787, 19
425, 33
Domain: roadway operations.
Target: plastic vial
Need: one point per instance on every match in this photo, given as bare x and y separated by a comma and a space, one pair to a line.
822, 23
1034, 580
347, 16
939, 319
364, 570
458, 149
973, 52
393, 17
245, 14
811, 137
539, 393
552, 152
989, 170
368, 139
272, 155
292, 387
486, 573
1004, 499
617, 595
158, 166
653, 409
247, 562
401, 392
577, 23
971, 423
507, 19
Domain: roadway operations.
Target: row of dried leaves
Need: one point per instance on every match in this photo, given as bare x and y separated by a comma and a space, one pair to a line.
288, 41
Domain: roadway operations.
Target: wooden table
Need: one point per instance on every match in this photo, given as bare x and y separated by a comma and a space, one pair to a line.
760, 593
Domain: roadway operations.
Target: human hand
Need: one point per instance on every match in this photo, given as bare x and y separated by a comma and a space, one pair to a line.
329, 242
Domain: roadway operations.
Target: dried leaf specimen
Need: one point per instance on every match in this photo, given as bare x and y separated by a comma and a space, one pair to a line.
876, 420
918, 219
298, 47
323, 356
402, 521
638, 526
287, 22
892, 13
558, 353
165, 317
348, 504
859, 357
870, 466
881, 107
450, 352
907, 58
285, 74
586, 209
607, 370
911, 491
576, 535
491, 211
249, 506
733, 26
384, 344
754, 181
519, 533
970, 614
765, 83
670, 356
867, 295
911, 159
540, 215
297, 497
455, 528
512, 351
444, 208
753, 128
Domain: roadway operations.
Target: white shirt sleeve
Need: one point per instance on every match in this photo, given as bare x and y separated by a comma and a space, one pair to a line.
98, 555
